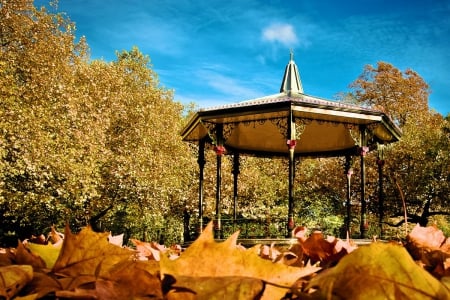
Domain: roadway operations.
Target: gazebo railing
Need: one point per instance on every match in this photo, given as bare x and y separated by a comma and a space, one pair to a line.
270, 228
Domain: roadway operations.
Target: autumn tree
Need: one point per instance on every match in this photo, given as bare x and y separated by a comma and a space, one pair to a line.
417, 166
37, 55
401, 95
84, 141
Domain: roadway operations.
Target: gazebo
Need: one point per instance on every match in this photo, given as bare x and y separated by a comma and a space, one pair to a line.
289, 124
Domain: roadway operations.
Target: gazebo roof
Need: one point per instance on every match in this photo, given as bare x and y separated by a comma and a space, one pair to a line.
262, 126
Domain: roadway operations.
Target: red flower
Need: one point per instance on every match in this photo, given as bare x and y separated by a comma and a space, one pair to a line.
219, 149
363, 150
291, 143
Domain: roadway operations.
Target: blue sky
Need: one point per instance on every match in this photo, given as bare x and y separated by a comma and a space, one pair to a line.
215, 52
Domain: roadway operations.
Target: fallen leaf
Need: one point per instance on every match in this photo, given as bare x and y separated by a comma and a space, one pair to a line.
317, 248
88, 253
72, 283
207, 258
426, 237
146, 250
429, 246
40, 239
55, 237
378, 271
300, 232
210, 288
84, 294
48, 254
133, 279
13, 278
42, 285
116, 239
7, 256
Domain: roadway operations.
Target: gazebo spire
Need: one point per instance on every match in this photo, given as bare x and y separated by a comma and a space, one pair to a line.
291, 79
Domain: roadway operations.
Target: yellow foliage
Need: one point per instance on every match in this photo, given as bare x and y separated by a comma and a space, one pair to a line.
378, 271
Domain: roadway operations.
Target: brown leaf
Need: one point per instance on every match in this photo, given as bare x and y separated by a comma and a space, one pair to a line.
127, 280
378, 271
146, 250
300, 232
25, 257
116, 239
429, 246
72, 283
210, 288
297, 250
88, 253
84, 294
7, 257
40, 239
426, 237
207, 258
42, 285
13, 278
55, 237
317, 248
138, 279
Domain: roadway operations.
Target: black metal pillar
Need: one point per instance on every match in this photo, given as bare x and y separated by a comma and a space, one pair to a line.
235, 186
380, 163
363, 151
291, 143
348, 173
220, 150
201, 165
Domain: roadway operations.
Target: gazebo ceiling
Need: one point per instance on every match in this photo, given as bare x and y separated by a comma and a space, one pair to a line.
262, 126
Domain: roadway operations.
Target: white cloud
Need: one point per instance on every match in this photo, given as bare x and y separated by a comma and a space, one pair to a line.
282, 33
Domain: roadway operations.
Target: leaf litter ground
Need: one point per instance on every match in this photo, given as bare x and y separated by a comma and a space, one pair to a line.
91, 265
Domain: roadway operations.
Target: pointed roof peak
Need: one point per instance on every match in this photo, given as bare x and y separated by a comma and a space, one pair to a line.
291, 80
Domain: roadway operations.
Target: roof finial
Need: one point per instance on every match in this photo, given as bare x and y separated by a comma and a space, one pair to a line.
291, 80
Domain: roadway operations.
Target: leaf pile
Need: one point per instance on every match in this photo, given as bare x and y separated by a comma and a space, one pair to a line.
91, 265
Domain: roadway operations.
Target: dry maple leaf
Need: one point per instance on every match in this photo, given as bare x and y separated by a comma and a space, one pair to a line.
207, 258
7, 256
13, 278
116, 239
25, 257
429, 246
54, 236
426, 237
210, 288
42, 285
153, 250
270, 252
48, 253
150, 251
378, 271
88, 253
300, 232
317, 248
126, 280
131, 280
